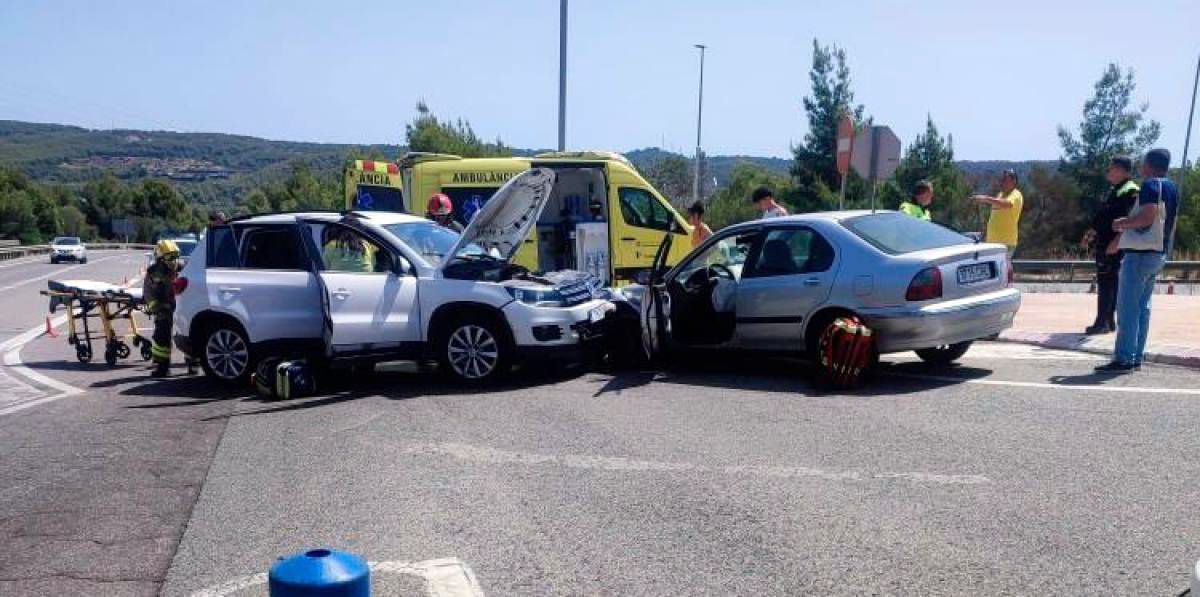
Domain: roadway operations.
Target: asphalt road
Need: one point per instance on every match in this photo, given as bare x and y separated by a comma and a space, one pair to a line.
1018, 472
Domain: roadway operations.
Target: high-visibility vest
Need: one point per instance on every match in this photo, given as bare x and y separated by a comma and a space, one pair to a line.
914, 210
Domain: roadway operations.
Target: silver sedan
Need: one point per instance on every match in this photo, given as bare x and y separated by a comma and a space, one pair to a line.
776, 284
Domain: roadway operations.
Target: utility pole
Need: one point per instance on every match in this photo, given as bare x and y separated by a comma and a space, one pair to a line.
699, 119
1187, 137
562, 75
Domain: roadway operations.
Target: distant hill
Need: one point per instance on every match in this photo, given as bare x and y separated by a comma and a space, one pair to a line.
720, 166
218, 168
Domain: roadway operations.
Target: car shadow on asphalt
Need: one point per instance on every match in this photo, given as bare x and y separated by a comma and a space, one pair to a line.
789, 375
396, 385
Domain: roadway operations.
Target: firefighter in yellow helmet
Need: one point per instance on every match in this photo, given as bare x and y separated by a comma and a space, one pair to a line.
159, 294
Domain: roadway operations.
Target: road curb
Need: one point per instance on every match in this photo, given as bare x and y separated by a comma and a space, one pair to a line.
1181, 356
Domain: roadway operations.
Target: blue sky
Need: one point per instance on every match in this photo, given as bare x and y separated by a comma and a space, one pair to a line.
998, 76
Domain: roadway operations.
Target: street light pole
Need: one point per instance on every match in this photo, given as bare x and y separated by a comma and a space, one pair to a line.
699, 119
562, 75
1187, 137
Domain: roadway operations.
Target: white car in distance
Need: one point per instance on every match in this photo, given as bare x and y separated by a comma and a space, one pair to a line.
375, 286
68, 248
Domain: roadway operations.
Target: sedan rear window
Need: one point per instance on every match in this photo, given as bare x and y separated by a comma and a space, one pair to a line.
897, 233
66, 240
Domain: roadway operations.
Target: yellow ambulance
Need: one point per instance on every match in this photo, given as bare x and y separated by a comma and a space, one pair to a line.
602, 217
374, 185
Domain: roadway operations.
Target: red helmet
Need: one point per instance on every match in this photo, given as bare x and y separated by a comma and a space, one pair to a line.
439, 205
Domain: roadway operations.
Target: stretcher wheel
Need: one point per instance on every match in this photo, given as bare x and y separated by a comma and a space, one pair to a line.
82, 353
110, 356
122, 350
146, 354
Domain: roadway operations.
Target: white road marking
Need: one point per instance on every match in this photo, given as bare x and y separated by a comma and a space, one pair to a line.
487, 455
444, 577
1044, 385
56, 272
11, 349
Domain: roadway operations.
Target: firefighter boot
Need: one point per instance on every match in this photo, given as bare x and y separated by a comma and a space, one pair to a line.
161, 370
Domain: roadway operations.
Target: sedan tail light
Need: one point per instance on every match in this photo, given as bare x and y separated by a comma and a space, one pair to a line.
926, 285
179, 285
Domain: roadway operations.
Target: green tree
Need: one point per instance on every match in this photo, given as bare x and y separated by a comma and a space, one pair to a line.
158, 200
1187, 226
75, 223
931, 157
1044, 221
815, 164
1111, 125
427, 133
17, 218
256, 203
106, 198
731, 204
672, 176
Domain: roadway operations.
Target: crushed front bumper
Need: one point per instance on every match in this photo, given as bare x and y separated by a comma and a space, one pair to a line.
949, 322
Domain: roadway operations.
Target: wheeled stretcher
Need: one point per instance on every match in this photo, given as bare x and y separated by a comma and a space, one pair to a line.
88, 301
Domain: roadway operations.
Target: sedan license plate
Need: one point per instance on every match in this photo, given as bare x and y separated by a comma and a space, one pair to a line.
976, 272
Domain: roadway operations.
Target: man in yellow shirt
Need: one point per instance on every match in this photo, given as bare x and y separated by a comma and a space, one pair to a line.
1006, 211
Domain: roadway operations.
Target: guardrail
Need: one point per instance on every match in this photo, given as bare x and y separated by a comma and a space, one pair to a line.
8, 253
1049, 270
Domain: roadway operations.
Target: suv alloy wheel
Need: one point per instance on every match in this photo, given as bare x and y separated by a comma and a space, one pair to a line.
474, 350
225, 353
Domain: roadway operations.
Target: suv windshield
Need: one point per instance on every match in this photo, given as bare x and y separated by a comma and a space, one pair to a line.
432, 241
897, 233
66, 240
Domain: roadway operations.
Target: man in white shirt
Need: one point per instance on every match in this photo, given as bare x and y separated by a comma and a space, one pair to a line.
764, 200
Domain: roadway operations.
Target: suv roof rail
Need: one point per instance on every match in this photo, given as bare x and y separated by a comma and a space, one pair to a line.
284, 213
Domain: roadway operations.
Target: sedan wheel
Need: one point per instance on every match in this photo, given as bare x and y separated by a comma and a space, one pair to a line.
226, 355
944, 355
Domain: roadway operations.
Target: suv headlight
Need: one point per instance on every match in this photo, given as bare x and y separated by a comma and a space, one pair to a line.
538, 297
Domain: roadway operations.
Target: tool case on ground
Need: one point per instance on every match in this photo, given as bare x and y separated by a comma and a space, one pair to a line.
845, 351
283, 379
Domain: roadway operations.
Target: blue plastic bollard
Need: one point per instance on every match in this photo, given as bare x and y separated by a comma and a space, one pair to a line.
320, 572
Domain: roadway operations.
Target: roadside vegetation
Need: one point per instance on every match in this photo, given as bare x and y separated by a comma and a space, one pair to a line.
68, 180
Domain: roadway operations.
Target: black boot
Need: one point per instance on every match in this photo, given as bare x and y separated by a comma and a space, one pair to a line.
161, 370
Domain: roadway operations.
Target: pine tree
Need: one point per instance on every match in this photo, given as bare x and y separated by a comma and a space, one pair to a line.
931, 157
1111, 125
815, 165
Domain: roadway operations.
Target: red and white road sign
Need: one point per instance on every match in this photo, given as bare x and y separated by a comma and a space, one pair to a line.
845, 144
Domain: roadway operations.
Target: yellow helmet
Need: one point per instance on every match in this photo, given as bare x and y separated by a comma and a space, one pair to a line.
166, 248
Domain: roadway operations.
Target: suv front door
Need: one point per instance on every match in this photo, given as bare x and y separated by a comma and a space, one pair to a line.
370, 293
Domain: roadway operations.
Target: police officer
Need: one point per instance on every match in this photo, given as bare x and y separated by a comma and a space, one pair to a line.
922, 197
441, 210
159, 294
1103, 241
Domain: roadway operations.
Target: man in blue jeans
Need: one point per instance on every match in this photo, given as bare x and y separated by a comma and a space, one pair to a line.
1146, 239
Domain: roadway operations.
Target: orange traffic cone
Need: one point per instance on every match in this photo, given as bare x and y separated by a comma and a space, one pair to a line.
50, 329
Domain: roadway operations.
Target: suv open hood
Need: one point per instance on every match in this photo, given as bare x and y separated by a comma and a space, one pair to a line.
506, 219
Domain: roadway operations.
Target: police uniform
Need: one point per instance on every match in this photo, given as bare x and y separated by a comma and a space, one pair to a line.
159, 295
1117, 205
